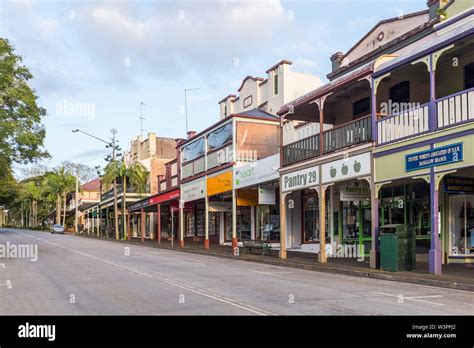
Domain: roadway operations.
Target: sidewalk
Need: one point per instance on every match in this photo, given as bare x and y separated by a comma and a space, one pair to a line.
454, 276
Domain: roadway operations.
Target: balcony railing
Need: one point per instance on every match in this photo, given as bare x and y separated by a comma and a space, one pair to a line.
349, 134
403, 125
455, 108
192, 168
301, 150
130, 189
340, 137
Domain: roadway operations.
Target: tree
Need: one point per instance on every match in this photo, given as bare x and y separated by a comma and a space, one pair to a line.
58, 183
84, 172
21, 131
137, 175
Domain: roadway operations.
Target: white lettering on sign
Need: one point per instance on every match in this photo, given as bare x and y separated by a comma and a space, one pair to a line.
300, 179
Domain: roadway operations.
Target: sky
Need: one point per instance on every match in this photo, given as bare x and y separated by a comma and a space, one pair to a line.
93, 62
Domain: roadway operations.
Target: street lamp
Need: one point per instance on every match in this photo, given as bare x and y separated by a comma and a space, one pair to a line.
114, 146
186, 104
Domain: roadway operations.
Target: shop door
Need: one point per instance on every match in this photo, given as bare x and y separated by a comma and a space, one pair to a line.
461, 224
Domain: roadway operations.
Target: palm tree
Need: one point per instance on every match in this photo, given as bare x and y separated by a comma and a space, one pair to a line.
57, 184
111, 172
137, 175
33, 192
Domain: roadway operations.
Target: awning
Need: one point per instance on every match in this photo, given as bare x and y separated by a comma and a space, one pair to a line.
154, 200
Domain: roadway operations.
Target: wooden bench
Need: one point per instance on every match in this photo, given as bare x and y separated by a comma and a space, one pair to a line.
257, 244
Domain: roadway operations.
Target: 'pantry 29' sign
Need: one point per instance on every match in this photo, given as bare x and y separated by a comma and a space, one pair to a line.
301, 179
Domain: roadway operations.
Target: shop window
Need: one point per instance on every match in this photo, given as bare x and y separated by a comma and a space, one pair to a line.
462, 224
407, 204
311, 219
400, 93
356, 220
469, 76
268, 223
243, 223
361, 107
214, 223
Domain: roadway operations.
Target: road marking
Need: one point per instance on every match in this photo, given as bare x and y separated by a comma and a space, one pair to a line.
3, 265
201, 292
414, 298
267, 273
8, 284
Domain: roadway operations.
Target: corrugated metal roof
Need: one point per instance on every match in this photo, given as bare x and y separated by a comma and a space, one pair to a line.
439, 40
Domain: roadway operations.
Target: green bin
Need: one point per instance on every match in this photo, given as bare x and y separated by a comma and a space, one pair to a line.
397, 248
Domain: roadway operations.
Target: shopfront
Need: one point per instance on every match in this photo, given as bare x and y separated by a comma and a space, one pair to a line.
343, 184
219, 191
257, 189
193, 207
430, 186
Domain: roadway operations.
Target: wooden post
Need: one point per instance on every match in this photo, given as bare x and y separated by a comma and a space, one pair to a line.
206, 226
143, 226
322, 224
283, 224
158, 224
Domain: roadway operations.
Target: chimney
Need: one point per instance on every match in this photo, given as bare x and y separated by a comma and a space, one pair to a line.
336, 60
191, 134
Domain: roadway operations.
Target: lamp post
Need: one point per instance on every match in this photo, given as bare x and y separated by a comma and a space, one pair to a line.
114, 146
186, 90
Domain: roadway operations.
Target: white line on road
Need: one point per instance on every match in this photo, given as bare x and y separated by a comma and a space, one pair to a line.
267, 273
201, 292
3, 265
414, 298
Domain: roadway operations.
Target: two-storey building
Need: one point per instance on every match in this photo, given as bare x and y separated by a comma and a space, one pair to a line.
229, 172
331, 181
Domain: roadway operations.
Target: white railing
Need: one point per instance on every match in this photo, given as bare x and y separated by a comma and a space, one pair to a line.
455, 108
219, 157
403, 125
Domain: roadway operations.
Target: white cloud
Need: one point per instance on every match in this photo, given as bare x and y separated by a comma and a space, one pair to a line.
304, 65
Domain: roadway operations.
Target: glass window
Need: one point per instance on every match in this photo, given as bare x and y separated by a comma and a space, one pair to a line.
275, 84
462, 215
361, 107
214, 223
220, 136
268, 223
311, 219
193, 150
469, 76
400, 93
243, 223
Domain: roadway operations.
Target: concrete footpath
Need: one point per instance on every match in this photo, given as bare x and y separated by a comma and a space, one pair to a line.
459, 277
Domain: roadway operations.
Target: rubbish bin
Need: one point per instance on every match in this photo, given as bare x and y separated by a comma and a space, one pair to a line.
397, 248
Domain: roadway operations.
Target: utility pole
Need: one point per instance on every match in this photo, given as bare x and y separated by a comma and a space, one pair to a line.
76, 203
115, 186
186, 104
141, 118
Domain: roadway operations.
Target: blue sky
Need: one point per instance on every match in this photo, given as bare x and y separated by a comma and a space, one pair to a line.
103, 57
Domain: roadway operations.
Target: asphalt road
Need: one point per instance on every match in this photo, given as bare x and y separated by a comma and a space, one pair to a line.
75, 275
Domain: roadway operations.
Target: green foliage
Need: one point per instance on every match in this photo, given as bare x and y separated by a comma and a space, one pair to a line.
21, 131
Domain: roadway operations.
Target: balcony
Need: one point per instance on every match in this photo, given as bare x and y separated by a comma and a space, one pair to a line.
340, 137
403, 125
449, 111
455, 109
348, 134
110, 193
193, 167
301, 150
